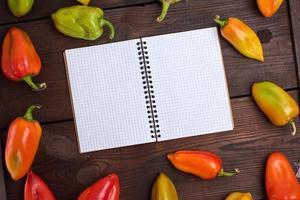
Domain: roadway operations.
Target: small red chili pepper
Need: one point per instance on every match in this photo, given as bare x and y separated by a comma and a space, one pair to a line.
203, 164
281, 181
107, 188
36, 188
20, 60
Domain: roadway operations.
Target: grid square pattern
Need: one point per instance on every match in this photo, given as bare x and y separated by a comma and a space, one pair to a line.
107, 96
189, 81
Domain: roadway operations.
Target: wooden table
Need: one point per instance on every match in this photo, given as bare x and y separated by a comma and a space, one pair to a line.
67, 172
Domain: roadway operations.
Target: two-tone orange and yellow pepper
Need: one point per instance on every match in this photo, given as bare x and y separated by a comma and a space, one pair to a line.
242, 37
269, 7
23, 139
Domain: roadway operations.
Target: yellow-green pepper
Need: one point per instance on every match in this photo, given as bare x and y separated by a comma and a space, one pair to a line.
20, 7
163, 189
84, 2
239, 196
276, 103
82, 22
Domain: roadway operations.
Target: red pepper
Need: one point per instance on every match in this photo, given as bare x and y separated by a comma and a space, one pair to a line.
281, 181
107, 188
20, 60
36, 188
22, 143
203, 164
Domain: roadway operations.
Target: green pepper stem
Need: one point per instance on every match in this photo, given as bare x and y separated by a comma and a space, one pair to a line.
292, 123
104, 22
35, 87
232, 173
165, 8
221, 22
28, 115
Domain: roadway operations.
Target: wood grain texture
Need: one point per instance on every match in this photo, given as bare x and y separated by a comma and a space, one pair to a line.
247, 148
138, 21
295, 16
43, 9
2, 180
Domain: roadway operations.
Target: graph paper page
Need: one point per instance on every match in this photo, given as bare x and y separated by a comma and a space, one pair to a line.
107, 96
189, 83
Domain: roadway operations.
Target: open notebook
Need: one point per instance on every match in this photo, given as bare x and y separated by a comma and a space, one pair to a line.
148, 90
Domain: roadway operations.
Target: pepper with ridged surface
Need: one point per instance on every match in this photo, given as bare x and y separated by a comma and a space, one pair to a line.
82, 22
20, 60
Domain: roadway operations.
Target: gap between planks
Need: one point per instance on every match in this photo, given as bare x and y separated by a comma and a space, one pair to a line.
104, 9
72, 119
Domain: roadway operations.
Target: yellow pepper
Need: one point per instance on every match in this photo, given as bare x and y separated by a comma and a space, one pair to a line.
239, 196
163, 189
276, 103
242, 37
84, 2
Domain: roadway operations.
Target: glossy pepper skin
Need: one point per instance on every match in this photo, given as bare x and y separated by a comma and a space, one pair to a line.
22, 143
239, 196
203, 164
276, 103
269, 7
242, 37
165, 8
20, 7
281, 182
36, 189
163, 189
84, 2
82, 22
107, 188
20, 60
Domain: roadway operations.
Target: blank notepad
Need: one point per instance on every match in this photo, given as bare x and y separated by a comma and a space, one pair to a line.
148, 90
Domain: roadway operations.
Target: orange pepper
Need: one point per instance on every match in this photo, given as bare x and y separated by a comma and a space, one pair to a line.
203, 164
269, 7
280, 179
242, 37
276, 103
20, 60
22, 143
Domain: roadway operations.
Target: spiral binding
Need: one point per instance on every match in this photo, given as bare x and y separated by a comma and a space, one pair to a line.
148, 89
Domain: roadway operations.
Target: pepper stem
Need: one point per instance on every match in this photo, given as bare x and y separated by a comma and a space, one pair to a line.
231, 173
165, 7
28, 115
104, 22
221, 22
35, 87
292, 123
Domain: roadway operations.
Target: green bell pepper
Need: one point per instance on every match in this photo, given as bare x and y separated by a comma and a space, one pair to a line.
82, 22
165, 7
20, 7
163, 189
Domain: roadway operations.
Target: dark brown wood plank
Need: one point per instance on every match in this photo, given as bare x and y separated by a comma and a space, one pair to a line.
247, 148
134, 22
295, 16
2, 180
42, 9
